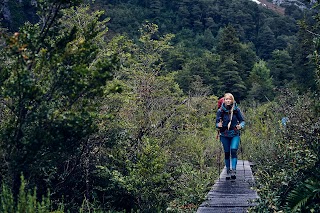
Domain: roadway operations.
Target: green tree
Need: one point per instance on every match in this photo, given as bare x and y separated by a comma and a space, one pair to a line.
196, 17
246, 59
26, 202
51, 76
281, 68
155, 7
140, 115
265, 43
205, 67
261, 83
183, 14
156, 130
175, 58
304, 69
207, 40
210, 24
229, 46
228, 42
309, 36
230, 80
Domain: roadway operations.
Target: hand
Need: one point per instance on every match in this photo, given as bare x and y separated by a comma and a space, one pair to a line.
238, 126
220, 124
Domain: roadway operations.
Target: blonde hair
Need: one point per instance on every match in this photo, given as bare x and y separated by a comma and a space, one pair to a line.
233, 102
229, 95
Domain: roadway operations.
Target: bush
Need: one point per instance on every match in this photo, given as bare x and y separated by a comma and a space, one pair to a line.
26, 201
288, 155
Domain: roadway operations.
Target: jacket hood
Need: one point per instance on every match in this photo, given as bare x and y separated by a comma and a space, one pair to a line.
223, 107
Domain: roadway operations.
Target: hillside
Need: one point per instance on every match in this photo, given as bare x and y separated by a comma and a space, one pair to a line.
274, 7
197, 25
112, 106
300, 4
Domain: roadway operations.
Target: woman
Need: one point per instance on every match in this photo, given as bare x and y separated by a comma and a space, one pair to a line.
229, 121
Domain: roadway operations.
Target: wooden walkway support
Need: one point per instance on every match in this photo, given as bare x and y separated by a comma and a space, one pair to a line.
228, 196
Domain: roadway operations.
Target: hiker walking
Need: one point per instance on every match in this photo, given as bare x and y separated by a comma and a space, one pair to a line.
229, 121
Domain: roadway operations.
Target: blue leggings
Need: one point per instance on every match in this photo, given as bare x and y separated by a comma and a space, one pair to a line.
230, 144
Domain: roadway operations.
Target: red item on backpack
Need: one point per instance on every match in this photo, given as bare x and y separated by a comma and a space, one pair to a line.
221, 100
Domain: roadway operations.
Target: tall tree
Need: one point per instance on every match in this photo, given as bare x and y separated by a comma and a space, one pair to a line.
230, 80
155, 6
205, 67
183, 14
228, 42
236, 56
265, 43
155, 127
208, 39
51, 75
304, 69
246, 60
261, 83
141, 115
281, 68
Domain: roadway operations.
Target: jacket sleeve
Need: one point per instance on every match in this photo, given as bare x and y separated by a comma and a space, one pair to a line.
241, 118
218, 117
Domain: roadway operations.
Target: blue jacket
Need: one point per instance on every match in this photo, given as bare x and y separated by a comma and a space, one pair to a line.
224, 114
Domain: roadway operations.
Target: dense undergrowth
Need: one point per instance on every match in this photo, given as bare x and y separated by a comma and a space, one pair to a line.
109, 123
286, 155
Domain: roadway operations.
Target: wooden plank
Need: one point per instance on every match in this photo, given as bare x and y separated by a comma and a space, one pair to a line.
234, 196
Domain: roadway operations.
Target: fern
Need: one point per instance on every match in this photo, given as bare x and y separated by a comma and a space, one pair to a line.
304, 194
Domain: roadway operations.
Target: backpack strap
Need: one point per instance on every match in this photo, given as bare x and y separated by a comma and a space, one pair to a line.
222, 113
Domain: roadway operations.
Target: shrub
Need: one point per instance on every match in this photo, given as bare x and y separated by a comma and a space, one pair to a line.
26, 201
287, 162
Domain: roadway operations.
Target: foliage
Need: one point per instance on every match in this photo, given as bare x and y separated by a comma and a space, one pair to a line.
27, 201
304, 68
229, 43
261, 81
230, 78
266, 41
156, 131
197, 26
291, 157
203, 67
313, 29
147, 180
303, 197
281, 68
113, 120
260, 133
50, 79
287, 180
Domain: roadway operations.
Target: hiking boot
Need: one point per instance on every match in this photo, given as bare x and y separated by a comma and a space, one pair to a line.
228, 174
233, 174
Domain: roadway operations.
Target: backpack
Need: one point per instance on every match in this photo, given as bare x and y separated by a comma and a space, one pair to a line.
223, 112
220, 101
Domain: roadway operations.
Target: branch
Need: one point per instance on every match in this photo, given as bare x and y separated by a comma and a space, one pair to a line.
315, 34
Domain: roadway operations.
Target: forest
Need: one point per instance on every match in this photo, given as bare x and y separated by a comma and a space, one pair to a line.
110, 105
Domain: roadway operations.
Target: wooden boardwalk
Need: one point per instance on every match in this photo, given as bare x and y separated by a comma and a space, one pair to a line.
228, 196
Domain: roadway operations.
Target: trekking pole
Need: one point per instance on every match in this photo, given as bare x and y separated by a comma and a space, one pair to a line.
219, 155
219, 161
241, 150
244, 169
